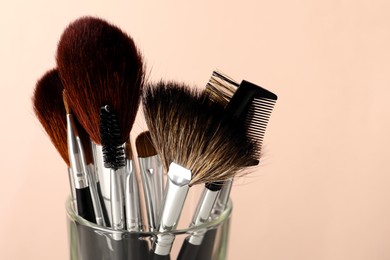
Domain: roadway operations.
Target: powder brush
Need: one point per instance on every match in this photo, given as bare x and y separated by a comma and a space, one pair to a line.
99, 64
197, 142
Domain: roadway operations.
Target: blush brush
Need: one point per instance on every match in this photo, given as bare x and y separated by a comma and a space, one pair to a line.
51, 111
198, 143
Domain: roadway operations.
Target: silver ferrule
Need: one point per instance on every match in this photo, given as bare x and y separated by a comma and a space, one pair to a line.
152, 180
202, 214
75, 158
72, 189
103, 175
117, 212
176, 192
223, 198
132, 203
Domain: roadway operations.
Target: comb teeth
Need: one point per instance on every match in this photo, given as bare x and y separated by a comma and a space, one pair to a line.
257, 119
110, 135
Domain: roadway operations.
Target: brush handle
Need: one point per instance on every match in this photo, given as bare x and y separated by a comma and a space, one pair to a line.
85, 205
154, 256
205, 251
137, 248
188, 251
104, 209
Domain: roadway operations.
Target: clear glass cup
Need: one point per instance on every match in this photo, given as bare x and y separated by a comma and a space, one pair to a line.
89, 241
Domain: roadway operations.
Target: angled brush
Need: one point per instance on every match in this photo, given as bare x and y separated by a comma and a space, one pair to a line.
152, 177
197, 142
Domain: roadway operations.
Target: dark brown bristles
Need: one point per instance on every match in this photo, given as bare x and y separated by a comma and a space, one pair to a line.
50, 111
100, 65
145, 147
194, 132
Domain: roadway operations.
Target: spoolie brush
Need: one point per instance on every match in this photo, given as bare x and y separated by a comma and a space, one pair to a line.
197, 142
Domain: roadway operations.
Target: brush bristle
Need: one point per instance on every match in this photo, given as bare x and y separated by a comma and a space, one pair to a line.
99, 64
113, 150
145, 147
221, 88
50, 111
194, 132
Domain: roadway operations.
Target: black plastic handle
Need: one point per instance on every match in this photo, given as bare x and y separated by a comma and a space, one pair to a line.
84, 204
188, 251
206, 248
154, 256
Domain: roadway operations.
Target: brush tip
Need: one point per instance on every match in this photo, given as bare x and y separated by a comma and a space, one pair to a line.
145, 147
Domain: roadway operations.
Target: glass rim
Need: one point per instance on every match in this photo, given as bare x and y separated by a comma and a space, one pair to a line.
214, 223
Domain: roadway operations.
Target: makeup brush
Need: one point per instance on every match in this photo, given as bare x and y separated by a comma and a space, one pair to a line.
197, 142
50, 111
251, 106
80, 153
100, 65
152, 177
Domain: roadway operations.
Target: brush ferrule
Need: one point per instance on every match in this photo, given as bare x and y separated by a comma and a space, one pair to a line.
132, 204
223, 198
75, 155
72, 189
117, 211
202, 214
176, 193
152, 179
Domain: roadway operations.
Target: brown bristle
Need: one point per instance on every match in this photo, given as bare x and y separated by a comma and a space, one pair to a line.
128, 150
194, 132
145, 147
221, 88
49, 108
100, 65
65, 101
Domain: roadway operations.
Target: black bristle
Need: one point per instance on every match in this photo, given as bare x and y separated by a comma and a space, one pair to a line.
113, 150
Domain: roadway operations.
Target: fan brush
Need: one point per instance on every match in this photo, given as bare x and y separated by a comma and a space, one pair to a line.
198, 143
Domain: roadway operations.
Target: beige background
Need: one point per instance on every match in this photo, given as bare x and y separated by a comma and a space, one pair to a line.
323, 189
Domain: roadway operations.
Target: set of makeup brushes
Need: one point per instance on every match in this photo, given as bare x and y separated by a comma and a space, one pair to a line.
88, 105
